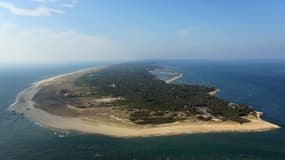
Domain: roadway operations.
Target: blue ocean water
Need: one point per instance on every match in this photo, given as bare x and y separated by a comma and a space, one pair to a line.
259, 84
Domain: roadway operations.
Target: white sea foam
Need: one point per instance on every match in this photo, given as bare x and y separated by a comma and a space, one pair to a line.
18, 97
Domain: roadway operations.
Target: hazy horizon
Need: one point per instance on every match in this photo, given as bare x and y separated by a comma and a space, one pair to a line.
58, 31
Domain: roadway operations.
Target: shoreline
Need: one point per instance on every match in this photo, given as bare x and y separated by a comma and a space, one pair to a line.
214, 92
24, 105
173, 78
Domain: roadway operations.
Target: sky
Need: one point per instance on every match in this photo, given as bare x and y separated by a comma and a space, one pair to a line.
40, 31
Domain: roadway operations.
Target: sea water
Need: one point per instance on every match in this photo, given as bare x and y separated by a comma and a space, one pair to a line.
259, 84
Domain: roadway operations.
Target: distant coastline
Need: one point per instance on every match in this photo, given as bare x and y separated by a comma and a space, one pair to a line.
24, 105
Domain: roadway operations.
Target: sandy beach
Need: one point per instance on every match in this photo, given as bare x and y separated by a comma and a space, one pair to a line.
24, 105
174, 78
214, 92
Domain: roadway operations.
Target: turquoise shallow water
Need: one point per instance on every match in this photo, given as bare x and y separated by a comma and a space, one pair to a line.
258, 84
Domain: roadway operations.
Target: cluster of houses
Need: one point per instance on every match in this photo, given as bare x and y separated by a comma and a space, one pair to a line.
203, 114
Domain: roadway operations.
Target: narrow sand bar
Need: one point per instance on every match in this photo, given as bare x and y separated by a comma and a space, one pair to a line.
174, 78
25, 105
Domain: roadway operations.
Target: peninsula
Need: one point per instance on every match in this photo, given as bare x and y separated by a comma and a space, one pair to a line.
127, 100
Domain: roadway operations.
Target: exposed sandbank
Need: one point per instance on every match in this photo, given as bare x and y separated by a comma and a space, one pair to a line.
174, 78
214, 92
